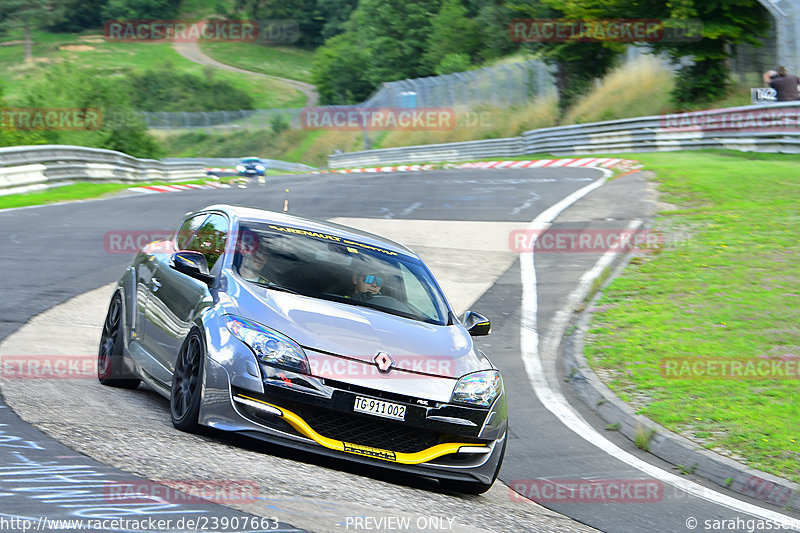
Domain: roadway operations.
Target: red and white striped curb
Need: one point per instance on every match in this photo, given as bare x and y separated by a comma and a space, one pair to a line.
154, 189
604, 162
401, 168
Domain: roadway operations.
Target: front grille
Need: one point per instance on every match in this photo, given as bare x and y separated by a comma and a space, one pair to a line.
356, 429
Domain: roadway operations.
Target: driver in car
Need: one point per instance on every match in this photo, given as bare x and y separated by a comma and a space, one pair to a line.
254, 257
366, 285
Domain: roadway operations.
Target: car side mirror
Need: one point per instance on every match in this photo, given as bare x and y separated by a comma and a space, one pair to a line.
192, 264
477, 325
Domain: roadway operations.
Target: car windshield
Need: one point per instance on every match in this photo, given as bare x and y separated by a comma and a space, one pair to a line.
251, 160
334, 268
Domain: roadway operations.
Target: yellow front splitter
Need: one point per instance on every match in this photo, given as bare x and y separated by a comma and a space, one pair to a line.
415, 458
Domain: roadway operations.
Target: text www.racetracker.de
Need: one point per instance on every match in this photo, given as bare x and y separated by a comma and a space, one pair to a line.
198, 523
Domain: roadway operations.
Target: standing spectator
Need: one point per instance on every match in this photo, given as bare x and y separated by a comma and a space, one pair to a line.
785, 85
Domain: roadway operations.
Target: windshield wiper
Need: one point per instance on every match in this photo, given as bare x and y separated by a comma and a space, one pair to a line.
275, 286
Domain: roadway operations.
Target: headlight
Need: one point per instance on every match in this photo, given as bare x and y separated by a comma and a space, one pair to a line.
480, 388
260, 167
270, 347
240, 168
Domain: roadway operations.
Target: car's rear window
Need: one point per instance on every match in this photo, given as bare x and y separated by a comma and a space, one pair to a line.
334, 268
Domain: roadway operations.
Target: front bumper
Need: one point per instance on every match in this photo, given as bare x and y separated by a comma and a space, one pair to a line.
444, 441
251, 172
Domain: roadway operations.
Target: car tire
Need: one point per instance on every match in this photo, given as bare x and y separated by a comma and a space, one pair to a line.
187, 384
475, 487
110, 358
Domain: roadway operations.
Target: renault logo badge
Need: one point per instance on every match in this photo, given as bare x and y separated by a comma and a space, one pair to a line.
383, 361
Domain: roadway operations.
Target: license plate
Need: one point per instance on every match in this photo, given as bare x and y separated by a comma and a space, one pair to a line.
371, 406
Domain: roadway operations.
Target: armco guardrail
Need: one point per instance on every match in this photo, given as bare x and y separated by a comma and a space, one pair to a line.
27, 168
460, 151
760, 128
232, 162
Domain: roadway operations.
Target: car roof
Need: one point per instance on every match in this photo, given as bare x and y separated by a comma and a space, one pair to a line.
310, 224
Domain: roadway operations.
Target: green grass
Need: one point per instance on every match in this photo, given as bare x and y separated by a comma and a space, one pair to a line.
281, 61
91, 51
78, 191
730, 290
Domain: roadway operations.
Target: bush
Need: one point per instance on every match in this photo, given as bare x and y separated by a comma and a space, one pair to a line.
339, 71
68, 86
637, 88
453, 63
162, 89
700, 83
278, 124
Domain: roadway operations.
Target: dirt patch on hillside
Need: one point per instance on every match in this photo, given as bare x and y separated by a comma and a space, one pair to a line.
76, 47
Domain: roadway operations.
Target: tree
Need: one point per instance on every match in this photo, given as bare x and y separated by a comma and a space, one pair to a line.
28, 15
724, 23
79, 15
577, 63
309, 15
720, 24
452, 32
338, 71
140, 9
493, 18
335, 13
453, 63
395, 34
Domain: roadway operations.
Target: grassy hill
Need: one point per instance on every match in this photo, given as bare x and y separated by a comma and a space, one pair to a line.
90, 50
281, 61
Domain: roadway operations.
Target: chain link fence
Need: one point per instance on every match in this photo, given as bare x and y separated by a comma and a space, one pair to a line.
222, 120
509, 84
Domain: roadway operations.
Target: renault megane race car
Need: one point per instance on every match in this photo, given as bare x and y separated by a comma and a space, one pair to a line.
251, 166
311, 335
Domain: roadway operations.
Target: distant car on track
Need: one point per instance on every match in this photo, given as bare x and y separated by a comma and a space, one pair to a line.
251, 166
311, 335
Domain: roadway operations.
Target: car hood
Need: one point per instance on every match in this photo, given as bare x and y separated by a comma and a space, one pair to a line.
358, 334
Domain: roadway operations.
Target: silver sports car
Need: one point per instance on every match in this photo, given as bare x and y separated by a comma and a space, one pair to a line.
311, 335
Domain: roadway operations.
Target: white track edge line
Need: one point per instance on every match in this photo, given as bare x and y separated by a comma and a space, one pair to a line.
555, 402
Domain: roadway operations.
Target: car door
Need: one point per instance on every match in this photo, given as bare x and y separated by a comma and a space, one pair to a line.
176, 299
145, 347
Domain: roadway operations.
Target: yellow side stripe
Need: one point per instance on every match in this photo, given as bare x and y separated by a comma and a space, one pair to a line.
387, 455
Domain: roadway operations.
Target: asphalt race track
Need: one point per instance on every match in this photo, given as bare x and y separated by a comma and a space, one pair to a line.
459, 222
